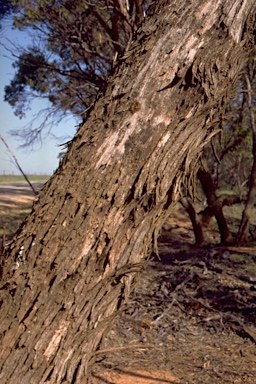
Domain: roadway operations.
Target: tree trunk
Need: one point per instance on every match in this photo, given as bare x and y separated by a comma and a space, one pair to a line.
72, 264
201, 220
195, 220
215, 205
251, 198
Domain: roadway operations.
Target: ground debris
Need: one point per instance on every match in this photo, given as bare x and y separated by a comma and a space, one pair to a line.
192, 315
192, 318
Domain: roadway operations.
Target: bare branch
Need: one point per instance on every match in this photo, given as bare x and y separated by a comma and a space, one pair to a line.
17, 164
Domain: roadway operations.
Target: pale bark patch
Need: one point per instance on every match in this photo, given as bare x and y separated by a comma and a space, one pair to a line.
56, 339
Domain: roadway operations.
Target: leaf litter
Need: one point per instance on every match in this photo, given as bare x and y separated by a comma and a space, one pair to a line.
191, 318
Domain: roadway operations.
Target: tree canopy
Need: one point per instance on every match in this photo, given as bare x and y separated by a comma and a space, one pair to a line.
72, 52
5, 8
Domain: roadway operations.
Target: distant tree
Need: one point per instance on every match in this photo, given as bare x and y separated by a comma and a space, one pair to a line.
250, 92
230, 152
231, 164
74, 50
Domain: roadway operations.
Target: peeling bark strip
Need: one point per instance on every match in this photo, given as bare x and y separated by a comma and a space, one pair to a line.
71, 266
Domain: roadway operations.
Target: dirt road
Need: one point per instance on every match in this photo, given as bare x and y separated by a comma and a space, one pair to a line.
16, 200
12, 195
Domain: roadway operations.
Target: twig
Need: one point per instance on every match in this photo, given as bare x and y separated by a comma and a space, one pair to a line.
16, 162
250, 333
116, 349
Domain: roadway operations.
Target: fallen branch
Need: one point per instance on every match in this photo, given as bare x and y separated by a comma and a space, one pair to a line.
117, 349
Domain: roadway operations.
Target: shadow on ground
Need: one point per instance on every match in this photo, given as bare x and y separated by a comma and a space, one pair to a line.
16, 201
192, 315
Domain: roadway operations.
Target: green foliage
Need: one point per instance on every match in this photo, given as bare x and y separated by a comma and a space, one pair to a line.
73, 53
30, 74
6, 8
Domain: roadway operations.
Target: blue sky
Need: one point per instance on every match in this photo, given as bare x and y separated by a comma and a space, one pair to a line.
43, 159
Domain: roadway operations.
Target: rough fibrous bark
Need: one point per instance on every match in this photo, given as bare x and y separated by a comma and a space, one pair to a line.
71, 266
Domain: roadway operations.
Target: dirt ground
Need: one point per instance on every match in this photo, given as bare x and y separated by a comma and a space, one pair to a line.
15, 204
192, 317
191, 320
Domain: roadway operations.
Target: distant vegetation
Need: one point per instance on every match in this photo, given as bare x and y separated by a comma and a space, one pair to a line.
16, 178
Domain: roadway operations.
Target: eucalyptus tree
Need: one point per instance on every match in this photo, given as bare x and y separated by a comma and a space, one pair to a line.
72, 264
